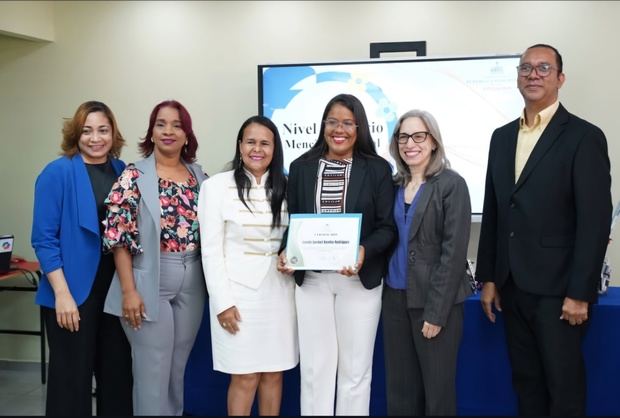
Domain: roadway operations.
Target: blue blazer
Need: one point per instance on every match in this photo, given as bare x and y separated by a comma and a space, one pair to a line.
65, 227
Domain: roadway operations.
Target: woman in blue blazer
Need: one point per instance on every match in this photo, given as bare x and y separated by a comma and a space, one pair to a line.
66, 237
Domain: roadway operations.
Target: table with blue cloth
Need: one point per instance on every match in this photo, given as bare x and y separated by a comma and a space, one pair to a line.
483, 370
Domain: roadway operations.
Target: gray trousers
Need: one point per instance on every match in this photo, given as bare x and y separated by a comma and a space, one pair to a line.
420, 374
160, 349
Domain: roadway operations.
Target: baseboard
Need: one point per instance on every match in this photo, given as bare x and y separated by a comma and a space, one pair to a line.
20, 365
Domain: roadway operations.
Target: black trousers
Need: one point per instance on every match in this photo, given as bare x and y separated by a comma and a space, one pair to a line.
420, 374
548, 370
100, 347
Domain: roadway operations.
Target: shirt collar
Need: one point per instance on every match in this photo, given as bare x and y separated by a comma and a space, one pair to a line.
542, 118
253, 179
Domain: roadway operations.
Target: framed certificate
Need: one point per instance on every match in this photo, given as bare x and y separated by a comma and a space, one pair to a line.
323, 241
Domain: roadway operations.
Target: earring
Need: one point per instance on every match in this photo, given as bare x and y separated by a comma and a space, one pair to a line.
152, 140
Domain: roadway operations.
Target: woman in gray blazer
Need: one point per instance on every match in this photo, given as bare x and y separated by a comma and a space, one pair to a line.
426, 283
158, 289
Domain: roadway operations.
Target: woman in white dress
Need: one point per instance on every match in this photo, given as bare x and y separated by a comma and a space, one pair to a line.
242, 214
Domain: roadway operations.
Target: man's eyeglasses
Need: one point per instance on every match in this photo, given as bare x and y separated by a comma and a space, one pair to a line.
417, 137
543, 70
347, 125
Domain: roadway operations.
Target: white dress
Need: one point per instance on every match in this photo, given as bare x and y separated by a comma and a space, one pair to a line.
239, 256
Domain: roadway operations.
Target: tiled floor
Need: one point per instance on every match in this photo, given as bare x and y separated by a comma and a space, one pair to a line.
21, 391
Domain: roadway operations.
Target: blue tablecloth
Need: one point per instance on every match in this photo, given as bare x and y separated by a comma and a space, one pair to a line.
483, 374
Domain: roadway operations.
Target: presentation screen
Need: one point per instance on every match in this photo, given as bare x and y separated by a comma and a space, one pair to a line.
469, 96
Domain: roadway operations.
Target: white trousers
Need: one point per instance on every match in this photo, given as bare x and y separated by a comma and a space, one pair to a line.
337, 321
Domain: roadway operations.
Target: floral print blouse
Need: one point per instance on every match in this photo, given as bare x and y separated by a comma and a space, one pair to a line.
179, 220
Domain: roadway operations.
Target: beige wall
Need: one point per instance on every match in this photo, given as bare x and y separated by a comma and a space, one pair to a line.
133, 54
27, 19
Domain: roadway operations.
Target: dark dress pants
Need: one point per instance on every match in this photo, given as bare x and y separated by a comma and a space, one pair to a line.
548, 371
100, 347
420, 373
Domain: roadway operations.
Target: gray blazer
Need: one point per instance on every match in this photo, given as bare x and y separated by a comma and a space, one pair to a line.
437, 250
146, 265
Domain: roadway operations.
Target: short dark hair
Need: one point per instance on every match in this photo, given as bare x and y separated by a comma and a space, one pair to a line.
72, 129
363, 145
558, 57
188, 153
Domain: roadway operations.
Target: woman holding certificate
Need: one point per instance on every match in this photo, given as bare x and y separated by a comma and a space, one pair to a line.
426, 282
242, 215
338, 310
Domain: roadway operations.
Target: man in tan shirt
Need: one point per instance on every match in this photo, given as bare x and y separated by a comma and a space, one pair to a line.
544, 232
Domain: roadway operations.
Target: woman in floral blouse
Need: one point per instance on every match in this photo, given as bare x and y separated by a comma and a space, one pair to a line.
152, 229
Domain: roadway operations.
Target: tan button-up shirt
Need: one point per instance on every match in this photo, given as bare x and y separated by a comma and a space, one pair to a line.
529, 135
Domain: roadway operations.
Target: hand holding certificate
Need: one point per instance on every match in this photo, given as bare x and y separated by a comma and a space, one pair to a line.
323, 241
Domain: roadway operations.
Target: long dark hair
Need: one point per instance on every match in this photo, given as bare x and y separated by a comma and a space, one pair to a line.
363, 145
276, 181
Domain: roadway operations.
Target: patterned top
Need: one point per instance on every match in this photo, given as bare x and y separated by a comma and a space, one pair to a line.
332, 182
179, 221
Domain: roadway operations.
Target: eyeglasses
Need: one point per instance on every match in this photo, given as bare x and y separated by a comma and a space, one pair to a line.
543, 70
347, 125
417, 137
